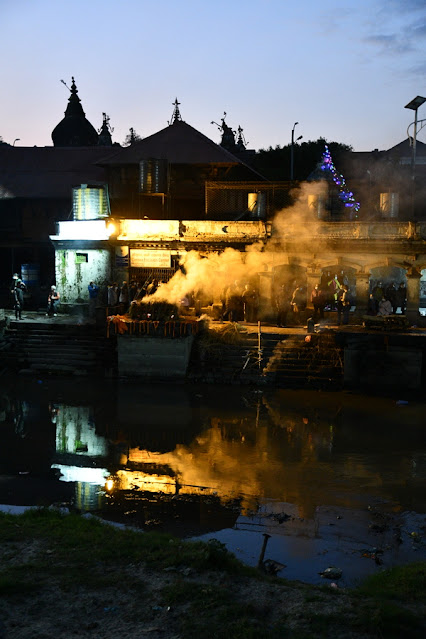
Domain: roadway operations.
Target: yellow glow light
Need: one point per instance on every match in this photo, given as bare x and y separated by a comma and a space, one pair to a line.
111, 229
148, 229
81, 230
109, 484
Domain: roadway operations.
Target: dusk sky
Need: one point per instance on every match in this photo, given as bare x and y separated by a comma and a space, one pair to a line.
343, 70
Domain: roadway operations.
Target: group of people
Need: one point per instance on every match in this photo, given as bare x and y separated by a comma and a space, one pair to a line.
385, 299
240, 303
291, 301
18, 288
120, 297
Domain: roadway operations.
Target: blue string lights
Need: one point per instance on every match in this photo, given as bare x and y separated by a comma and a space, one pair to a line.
346, 196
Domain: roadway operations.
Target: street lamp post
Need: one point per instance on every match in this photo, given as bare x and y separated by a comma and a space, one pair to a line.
292, 151
414, 105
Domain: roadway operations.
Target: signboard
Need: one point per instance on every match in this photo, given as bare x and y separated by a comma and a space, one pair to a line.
140, 258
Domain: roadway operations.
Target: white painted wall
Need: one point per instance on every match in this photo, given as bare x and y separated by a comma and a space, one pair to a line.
72, 278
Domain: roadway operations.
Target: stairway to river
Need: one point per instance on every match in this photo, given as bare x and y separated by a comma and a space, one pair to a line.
311, 361
278, 360
284, 361
56, 349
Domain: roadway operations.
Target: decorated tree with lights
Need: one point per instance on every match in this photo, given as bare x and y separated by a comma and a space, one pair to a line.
345, 195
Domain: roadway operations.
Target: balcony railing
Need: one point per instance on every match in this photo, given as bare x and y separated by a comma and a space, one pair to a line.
351, 230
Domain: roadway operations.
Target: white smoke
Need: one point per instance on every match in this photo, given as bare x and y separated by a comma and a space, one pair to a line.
212, 273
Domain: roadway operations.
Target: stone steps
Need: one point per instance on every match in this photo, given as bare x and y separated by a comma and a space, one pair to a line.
283, 361
288, 361
298, 363
57, 349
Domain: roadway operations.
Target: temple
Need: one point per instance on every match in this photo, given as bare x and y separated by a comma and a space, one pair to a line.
90, 209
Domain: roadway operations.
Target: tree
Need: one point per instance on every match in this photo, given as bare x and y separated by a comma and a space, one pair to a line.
132, 137
274, 164
345, 195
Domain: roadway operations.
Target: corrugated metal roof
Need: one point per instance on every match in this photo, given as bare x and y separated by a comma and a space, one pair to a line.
48, 172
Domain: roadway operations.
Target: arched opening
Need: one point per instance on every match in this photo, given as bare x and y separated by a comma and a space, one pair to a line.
390, 283
332, 279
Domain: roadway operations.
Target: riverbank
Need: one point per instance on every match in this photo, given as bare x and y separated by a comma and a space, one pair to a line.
328, 358
66, 575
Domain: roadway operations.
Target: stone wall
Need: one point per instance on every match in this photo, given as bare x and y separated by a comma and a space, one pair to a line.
374, 362
153, 358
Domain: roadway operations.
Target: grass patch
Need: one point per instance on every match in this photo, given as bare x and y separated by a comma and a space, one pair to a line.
407, 583
91, 540
122, 572
389, 621
212, 611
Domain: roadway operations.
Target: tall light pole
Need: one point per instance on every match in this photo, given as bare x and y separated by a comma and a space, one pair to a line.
414, 105
292, 151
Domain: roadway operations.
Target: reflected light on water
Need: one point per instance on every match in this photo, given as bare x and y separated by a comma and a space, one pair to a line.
82, 474
303, 467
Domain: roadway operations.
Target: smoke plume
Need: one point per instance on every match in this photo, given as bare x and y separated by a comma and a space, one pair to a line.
212, 273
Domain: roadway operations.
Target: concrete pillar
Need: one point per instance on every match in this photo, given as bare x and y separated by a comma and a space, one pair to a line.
413, 295
121, 264
362, 293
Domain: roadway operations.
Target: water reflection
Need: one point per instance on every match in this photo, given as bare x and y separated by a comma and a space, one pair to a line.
321, 468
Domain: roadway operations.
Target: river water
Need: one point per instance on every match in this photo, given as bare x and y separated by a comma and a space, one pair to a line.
333, 479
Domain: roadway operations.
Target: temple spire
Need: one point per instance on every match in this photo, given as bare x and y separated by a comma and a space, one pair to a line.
241, 143
105, 131
228, 135
74, 129
74, 107
176, 117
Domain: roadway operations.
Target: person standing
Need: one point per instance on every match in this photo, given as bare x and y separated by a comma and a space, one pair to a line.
334, 287
123, 298
234, 303
378, 292
52, 301
401, 297
251, 303
318, 302
93, 295
17, 290
298, 303
343, 305
112, 295
133, 288
372, 307
282, 304
390, 294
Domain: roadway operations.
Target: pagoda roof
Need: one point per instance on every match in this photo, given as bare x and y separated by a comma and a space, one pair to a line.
179, 143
